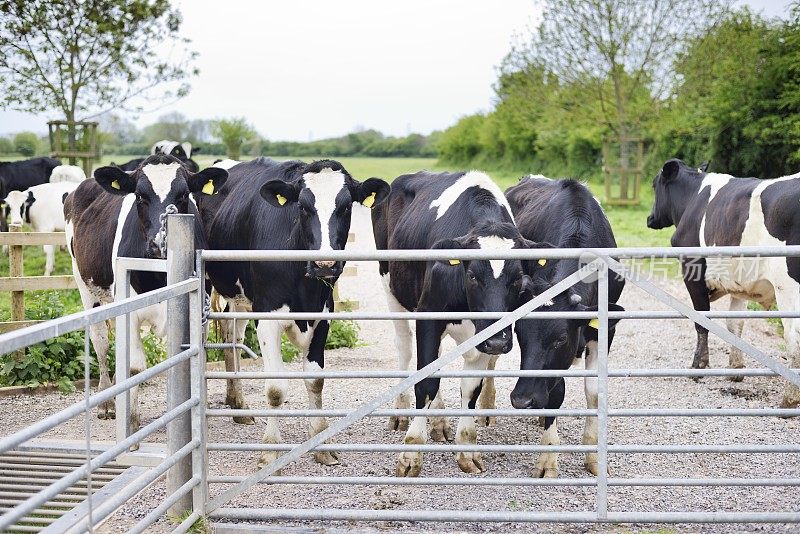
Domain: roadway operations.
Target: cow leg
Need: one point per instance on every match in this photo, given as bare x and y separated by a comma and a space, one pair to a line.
486, 401
402, 342
700, 300
315, 361
98, 334
547, 463
429, 334
269, 340
590, 389
50, 254
467, 434
787, 297
440, 426
736, 326
234, 396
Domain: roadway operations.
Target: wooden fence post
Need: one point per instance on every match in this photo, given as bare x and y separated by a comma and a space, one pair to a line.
15, 270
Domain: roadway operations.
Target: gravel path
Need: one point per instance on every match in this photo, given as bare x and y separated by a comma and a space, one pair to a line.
637, 345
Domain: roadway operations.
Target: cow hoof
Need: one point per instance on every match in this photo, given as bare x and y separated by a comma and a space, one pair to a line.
244, 420
736, 378
106, 411
470, 462
790, 400
442, 432
541, 421
593, 468
409, 464
488, 421
268, 458
326, 458
700, 363
545, 472
398, 423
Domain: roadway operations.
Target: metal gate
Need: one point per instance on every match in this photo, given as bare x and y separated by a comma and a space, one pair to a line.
189, 484
600, 263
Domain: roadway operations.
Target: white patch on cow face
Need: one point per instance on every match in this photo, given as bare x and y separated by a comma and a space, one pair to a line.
164, 146
161, 178
494, 242
471, 179
226, 164
15, 201
325, 185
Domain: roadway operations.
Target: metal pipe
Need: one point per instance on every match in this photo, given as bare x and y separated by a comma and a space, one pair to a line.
198, 390
462, 316
601, 495
474, 516
162, 508
11, 341
612, 373
142, 264
406, 412
113, 503
187, 523
522, 481
122, 362
240, 346
180, 267
490, 254
39, 427
398, 388
517, 449
80, 472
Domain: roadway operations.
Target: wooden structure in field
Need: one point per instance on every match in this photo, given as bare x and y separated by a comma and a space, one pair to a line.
623, 167
84, 146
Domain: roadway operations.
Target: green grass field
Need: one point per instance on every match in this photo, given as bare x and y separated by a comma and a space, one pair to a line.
628, 222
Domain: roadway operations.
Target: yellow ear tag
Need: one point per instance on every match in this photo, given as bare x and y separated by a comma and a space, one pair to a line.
454, 262
370, 200
594, 323
208, 189
542, 262
115, 184
281, 199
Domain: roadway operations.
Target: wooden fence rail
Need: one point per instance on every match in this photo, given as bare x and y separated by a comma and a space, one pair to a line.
17, 283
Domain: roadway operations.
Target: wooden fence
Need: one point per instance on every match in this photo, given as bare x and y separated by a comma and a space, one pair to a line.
17, 283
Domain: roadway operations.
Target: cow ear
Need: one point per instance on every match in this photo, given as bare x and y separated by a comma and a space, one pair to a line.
590, 332
536, 267
670, 170
115, 180
372, 191
208, 181
449, 244
704, 166
195, 150
187, 148
278, 193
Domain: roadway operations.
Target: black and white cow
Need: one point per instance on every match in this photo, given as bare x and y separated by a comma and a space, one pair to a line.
291, 205
117, 214
182, 151
711, 209
41, 206
448, 210
19, 176
538, 202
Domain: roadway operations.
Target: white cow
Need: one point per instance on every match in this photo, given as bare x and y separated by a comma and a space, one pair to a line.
41, 206
67, 173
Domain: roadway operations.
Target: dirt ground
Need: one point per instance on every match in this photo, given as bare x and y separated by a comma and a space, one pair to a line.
643, 344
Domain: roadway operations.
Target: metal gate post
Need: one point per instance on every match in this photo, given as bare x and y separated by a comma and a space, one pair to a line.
602, 392
197, 335
122, 365
180, 267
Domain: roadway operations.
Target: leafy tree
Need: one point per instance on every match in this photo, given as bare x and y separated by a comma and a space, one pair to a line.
26, 143
233, 133
86, 57
6, 146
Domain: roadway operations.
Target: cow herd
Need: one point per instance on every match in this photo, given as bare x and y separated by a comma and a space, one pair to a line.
292, 205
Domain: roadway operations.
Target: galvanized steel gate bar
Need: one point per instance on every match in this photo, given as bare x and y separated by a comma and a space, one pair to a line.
601, 260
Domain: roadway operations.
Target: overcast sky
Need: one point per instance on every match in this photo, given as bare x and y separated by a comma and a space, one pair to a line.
307, 69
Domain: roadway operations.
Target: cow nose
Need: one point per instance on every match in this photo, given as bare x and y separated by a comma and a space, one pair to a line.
495, 345
325, 264
520, 402
649, 221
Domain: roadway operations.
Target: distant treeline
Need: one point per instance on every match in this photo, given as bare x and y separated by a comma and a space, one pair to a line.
369, 143
733, 98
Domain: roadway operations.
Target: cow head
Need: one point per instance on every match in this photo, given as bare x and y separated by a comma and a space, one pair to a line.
673, 186
182, 151
321, 202
19, 204
551, 344
487, 285
159, 181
